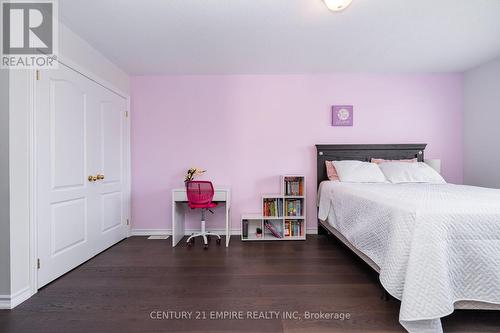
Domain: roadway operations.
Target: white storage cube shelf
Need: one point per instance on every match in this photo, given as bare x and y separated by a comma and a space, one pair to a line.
282, 215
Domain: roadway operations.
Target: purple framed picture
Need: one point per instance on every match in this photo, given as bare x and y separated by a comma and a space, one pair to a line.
342, 115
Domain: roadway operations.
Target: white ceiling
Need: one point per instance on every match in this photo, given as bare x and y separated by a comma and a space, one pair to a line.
288, 36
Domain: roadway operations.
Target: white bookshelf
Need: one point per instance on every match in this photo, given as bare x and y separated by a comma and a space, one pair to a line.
285, 212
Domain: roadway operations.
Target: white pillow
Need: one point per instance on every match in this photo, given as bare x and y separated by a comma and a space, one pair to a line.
401, 172
358, 172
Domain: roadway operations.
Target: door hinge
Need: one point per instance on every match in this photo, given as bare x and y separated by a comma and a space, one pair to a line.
38, 263
128, 222
126, 114
37, 74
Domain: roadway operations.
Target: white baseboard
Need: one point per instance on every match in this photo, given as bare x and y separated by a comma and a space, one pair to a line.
11, 301
221, 232
312, 231
4, 302
150, 232
187, 232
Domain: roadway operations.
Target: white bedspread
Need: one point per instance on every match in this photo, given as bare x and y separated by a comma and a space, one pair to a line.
434, 244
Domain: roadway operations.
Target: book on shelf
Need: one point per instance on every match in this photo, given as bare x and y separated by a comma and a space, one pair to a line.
282, 214
294, 186
293, 207
294, 228
273, 228
273, 207
244, 231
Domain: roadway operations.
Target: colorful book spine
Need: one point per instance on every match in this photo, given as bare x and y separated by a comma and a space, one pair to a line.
293, 207
273, 207
294, 186
294, 228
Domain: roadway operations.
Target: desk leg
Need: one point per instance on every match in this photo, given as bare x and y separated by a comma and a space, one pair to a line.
178, 226
228, 224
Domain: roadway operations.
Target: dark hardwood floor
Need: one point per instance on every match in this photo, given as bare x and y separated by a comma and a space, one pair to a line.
119, 289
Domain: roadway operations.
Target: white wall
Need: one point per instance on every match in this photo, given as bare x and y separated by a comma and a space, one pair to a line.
4, 185
19, 148
77, 51
481, 125
72, 47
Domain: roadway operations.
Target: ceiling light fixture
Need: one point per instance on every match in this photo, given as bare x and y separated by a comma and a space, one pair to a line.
337, 5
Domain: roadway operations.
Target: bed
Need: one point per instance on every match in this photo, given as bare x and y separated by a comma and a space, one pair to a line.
436, 247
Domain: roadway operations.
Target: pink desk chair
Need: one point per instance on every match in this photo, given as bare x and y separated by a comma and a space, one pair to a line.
200, 195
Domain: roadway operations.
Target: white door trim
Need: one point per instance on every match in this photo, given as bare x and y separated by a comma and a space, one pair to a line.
33, 223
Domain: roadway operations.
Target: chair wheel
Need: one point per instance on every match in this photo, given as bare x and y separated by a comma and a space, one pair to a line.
218, 241
205, 247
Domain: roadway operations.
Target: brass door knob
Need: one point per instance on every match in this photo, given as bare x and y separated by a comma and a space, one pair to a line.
100, 176
92, 178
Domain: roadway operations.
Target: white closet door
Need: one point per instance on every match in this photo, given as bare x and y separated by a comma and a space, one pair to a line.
80, 133
110, 157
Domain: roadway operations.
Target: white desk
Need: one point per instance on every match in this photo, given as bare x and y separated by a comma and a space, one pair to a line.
179, 204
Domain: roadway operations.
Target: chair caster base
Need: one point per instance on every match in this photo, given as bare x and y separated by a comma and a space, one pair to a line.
207, 236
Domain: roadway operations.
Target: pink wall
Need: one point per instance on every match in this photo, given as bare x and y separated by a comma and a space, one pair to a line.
248, 129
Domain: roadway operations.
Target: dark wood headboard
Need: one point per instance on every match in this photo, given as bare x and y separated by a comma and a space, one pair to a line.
365, 153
